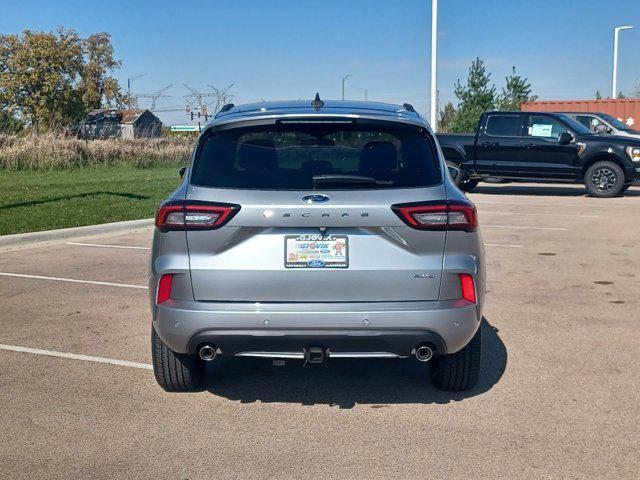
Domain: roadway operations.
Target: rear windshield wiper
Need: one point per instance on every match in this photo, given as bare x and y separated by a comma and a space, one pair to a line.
336, 179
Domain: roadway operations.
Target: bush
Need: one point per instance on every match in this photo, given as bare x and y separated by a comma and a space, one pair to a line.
53, 151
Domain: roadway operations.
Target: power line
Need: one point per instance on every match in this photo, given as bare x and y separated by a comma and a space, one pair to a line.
154, 96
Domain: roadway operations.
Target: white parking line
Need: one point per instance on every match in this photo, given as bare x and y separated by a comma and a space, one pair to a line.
74, 356
526, 204
499, 245
106, 246
484, 212
524, 228
72, 280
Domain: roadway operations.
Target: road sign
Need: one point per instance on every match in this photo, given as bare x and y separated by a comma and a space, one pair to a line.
185, 128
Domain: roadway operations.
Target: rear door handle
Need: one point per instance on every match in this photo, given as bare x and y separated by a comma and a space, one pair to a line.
530, 145
490, 144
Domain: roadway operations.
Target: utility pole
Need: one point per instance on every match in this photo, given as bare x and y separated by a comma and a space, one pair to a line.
434, 65
129, 80
222, 96
616, 32
344, 79
154, 96
198, 97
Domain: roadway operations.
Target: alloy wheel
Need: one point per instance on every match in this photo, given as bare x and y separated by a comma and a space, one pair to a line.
603, 179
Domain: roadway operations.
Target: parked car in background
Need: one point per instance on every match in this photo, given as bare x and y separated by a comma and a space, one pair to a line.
604, 123
312, 231
543, 146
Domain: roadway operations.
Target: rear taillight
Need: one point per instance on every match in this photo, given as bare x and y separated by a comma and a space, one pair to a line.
468, 287
164, 287
451, 215
190, 215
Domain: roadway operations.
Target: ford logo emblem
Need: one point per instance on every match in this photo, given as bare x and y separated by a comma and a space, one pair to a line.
315, 198
315, 263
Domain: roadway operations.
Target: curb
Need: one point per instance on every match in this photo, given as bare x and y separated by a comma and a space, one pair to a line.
22, 240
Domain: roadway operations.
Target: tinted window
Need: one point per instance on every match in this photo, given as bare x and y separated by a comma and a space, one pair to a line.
504, 125
591, 122
615, 122
289, 156
577, 127
586, 121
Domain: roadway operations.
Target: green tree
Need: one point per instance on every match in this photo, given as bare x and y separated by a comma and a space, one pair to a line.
621, 95
9, 123
38, 75
516, 91
474, 98
447, 117
98, 87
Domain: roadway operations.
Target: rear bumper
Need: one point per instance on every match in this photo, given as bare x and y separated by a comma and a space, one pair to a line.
394, 327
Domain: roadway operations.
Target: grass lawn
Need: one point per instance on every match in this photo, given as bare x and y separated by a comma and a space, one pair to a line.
44, 200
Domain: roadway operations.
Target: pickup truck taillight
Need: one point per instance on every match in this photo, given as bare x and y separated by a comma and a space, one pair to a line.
451, 215
192, 215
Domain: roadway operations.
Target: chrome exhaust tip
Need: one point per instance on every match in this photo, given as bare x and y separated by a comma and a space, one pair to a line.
424, 353
207, 353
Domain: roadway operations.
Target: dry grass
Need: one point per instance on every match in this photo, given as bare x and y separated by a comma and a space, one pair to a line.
57, 152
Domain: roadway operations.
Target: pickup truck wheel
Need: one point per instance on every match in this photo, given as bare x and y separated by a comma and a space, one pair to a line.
468, 184
458, 371
175, 372
604, 179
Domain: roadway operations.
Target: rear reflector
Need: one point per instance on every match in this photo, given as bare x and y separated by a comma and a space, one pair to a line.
468, 287
191, 215
451, 215
164, 288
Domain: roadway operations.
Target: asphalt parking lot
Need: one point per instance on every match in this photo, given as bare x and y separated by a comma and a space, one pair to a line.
558, 393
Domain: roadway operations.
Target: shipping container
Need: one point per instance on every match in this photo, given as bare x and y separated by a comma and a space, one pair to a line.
626, 110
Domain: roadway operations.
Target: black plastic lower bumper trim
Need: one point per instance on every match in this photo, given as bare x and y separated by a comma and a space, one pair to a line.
399, 342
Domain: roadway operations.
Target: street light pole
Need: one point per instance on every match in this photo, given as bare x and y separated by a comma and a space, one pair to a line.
616, 32
344, 79
434, 65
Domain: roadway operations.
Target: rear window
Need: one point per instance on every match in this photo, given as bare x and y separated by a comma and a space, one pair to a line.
325, 156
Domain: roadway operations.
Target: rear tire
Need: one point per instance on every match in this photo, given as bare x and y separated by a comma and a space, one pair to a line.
175, 372
604, 179
458, 371
462, 182
467, 184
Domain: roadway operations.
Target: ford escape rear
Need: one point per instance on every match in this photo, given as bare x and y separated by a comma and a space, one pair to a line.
314, 231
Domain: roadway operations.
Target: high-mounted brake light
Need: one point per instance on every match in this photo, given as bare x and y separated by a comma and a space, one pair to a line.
451, 215
164, 287
190, 215
468, 287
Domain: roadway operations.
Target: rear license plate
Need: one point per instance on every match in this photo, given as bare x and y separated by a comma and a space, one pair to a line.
316, 251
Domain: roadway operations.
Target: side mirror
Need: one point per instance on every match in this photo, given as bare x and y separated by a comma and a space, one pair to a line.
454, 172
181, 171
565, 138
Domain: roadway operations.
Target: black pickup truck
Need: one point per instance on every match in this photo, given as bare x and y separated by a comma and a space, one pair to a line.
540, 146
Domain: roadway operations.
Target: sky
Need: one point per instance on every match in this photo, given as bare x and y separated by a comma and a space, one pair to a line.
282, 49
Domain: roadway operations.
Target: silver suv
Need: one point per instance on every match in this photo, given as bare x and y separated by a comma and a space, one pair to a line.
314, 231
